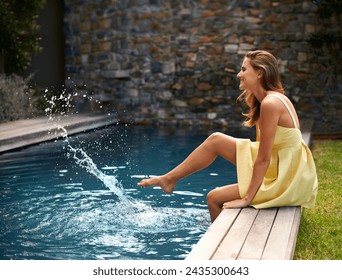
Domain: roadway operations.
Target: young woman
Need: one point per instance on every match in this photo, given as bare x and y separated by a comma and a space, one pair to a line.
277, 169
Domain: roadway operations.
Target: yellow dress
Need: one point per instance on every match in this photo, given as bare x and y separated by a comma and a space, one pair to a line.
291, 178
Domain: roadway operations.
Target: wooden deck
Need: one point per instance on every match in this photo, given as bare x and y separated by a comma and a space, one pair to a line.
252, 234
248, 233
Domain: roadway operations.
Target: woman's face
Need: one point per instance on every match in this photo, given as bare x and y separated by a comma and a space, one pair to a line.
248, 76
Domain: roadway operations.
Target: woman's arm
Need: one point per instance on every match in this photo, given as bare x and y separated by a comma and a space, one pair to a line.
257, 132
268, 121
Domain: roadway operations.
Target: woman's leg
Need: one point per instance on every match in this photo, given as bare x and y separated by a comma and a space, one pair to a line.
217, 144
217, 197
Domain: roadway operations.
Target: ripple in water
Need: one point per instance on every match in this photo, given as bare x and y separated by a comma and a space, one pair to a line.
139, 228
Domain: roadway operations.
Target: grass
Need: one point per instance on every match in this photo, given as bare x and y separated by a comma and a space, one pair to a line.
320, 232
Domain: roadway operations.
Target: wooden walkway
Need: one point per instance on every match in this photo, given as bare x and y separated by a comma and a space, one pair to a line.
252, 234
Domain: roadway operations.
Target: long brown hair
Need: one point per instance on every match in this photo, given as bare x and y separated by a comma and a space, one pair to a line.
267, 65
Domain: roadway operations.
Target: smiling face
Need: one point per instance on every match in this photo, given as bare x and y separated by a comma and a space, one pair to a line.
248, 77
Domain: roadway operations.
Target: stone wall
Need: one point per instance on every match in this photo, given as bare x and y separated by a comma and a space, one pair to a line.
175, 61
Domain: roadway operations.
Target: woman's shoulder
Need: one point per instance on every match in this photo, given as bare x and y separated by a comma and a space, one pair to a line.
271, 108
275, 93
274, 97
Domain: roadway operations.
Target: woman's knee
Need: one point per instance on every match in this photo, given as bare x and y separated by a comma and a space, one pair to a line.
215, 137
212, 198
222, 145
218, 196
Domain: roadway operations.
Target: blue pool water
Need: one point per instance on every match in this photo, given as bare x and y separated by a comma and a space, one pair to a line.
78, 199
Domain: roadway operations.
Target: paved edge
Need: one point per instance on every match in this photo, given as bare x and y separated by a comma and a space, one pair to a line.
47, 131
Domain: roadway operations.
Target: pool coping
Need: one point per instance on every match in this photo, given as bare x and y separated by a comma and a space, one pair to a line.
26, 132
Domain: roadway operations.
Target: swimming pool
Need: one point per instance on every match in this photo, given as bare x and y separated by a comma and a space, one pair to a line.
78, 199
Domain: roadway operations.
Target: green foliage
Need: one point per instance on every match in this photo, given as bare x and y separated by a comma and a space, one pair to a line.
19, 32
320, 232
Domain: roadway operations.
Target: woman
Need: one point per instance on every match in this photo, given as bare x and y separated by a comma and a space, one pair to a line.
277, 169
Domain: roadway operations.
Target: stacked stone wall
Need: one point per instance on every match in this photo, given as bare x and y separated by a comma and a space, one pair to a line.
175, 62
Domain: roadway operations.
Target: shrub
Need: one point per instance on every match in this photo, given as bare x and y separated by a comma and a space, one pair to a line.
17, 99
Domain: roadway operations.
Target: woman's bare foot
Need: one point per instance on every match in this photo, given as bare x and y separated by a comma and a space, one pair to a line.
166, 184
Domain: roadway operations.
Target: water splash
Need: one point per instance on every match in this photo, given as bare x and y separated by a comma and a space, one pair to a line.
68, 102
128, 212
61, 105
83, 160
58, 105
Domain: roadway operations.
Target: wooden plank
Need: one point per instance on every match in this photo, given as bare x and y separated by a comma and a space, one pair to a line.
277, 244
258, 236
293, 236
236, 236
209, 242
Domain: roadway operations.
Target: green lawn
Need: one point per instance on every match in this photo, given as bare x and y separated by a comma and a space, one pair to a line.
320, 232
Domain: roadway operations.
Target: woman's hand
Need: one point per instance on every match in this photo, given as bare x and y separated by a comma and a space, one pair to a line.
238, 203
